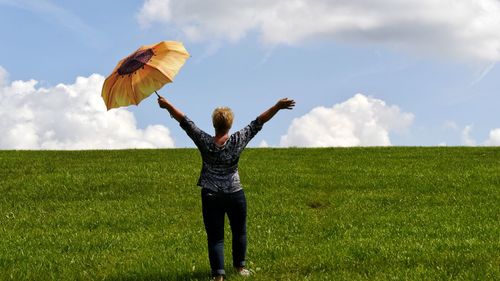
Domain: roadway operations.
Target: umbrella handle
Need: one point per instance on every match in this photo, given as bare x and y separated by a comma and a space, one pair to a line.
157, 94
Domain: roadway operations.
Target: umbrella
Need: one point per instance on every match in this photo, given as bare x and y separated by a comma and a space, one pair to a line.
142, 73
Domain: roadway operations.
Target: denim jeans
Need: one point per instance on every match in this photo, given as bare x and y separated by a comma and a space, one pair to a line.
215, 206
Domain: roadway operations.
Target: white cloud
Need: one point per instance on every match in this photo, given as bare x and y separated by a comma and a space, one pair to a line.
3, 76
359, 121
484, 72
263, 144
465, 29
493, 138
69, 117
155, 10
466, 138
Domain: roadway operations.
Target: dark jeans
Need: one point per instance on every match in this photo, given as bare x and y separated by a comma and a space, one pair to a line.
215, 206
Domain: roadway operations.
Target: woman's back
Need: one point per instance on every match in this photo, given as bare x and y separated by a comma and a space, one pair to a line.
219, 171
221, 191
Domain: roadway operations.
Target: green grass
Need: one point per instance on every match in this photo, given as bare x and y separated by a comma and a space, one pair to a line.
314, 214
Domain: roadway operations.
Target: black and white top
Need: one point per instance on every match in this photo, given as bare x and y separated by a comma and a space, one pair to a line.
219, 171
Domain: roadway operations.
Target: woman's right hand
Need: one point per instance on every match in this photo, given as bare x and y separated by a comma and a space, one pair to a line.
174, 112
285, 104
162, 102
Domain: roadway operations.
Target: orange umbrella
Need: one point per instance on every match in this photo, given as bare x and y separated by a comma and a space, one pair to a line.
142, 73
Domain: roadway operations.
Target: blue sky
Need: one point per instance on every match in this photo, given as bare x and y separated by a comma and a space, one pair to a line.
417, 86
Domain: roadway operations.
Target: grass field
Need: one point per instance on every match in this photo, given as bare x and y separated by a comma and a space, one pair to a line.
314, 214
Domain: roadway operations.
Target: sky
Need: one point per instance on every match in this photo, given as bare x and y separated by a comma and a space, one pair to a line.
363, 73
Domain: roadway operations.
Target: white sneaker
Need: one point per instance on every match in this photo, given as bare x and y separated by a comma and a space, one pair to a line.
244, 272
218, 278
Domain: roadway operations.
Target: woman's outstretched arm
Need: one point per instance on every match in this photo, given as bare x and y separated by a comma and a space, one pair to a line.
174, 112
196, 134
281, 104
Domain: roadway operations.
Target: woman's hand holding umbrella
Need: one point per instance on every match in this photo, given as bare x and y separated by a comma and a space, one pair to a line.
174, 112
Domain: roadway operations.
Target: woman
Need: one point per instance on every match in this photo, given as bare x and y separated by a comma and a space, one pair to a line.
221, 190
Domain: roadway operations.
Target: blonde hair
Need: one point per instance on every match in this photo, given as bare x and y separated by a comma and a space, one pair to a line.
222, 119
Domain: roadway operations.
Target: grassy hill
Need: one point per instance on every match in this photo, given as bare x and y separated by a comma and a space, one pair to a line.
314, 214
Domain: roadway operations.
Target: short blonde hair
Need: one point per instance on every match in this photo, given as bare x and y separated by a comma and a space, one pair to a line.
222, 118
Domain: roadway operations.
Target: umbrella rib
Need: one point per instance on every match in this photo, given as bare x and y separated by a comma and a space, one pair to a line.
163, 73
159, 70
178, 52
133, 91
111, 93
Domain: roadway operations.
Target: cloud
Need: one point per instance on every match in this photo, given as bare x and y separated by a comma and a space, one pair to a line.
3, 76
484, 72
493, 138
69, 117
263, 144
466, 138
466, 29
155, 10
359, 121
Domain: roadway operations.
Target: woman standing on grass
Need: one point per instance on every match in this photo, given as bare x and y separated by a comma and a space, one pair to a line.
221, 190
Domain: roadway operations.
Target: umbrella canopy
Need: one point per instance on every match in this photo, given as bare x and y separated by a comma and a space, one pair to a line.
142, 73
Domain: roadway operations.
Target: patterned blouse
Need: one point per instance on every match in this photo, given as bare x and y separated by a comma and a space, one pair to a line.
219, 171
